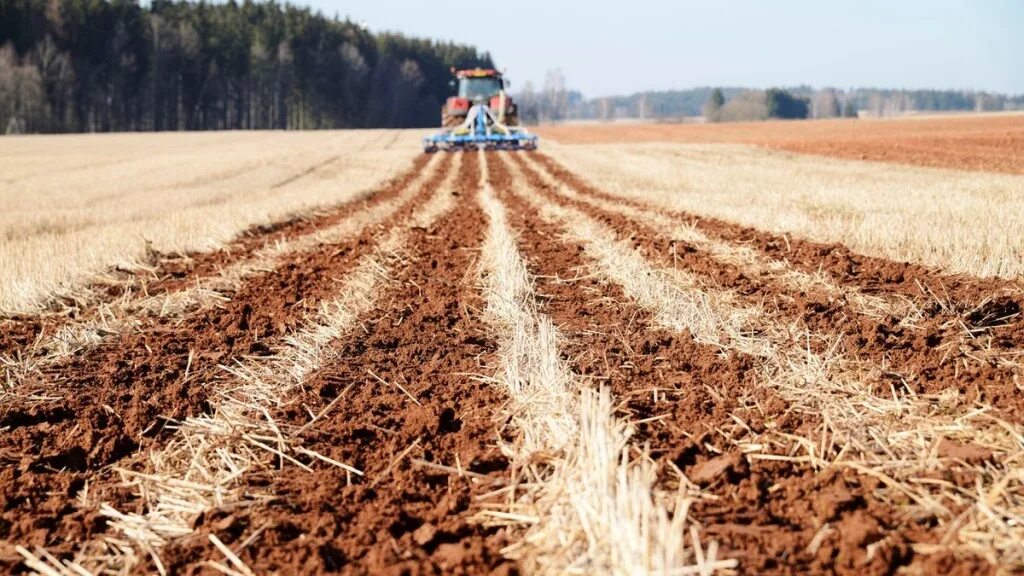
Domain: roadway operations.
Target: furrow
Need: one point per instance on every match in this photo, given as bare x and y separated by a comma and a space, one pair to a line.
925, 286
585, 496
902, 441
206, 462
171, 301
744, 258
929, 351
143, 376
406, 408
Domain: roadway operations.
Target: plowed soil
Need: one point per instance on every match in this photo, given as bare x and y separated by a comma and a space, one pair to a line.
419, 415
974, 315
992, 143
759, 524
137, 380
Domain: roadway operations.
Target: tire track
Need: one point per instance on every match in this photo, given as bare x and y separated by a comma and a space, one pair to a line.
305, 172
930, 354
900, 443
55, 450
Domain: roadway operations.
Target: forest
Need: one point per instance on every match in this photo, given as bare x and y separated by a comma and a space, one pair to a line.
118, 65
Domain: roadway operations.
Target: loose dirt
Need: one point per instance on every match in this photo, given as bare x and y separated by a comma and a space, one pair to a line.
766, 513
137, 380
417, 413
956, 344
402, 518
990, 143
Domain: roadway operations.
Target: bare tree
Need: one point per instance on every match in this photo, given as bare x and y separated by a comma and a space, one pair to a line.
555, 96
747, 106
22, 102
712, 108
826, 104
528, 104
875, 104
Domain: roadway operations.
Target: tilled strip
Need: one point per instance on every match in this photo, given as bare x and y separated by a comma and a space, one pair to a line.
901, 442
56, 449
402, 403
742, 262
88, 314
209, 459
927, 352
984, 303
584, 493
693, 403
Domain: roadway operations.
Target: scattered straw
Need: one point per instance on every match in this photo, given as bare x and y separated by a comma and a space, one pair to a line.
584, 504
895, 438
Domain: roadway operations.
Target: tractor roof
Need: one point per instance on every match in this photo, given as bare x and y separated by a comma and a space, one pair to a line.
478, 73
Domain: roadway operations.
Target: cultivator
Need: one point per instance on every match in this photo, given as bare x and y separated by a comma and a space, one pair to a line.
481, 130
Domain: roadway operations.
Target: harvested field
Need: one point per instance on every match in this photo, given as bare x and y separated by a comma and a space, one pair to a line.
959, 221
982, 142
169, 193
507, 362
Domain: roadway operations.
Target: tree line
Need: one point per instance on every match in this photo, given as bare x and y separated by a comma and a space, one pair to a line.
737, 104
116, 65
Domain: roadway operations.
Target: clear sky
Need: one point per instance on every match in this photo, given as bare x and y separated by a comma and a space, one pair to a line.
607, 48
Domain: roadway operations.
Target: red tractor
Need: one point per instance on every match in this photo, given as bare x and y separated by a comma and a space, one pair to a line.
479, 86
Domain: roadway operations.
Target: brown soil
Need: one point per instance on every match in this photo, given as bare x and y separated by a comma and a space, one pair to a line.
989, 143
137, 379
427, 335
176, 271
935, 354
400, 518
768, 513
165, 273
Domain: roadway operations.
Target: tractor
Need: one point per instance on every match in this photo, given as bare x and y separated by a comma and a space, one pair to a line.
480, 116
479, 86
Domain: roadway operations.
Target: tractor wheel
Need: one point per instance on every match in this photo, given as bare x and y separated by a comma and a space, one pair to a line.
512, 119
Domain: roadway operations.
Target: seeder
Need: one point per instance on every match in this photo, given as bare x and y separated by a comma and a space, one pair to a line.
481, 130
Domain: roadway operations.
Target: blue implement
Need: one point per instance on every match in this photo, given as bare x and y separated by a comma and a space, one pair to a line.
481, 130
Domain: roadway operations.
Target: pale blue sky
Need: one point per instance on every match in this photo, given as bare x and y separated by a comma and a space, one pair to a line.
620, 47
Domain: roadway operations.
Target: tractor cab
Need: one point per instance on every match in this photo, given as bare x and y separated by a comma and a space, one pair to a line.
478, 86
479, 89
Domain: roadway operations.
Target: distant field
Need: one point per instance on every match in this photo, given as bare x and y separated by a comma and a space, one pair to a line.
76, 205
989, 142
955, 220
